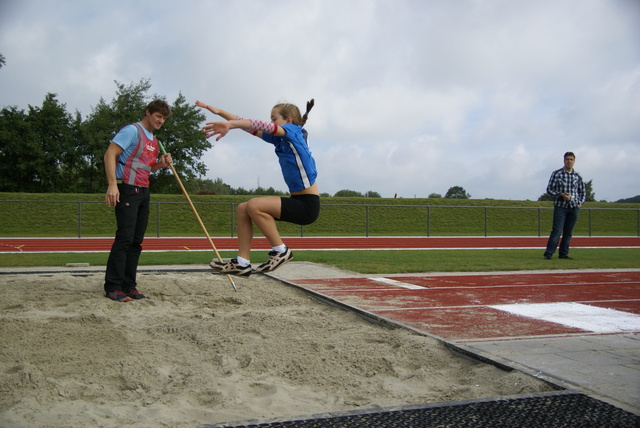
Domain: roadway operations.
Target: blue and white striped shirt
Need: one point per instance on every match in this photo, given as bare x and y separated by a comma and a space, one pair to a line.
297, 164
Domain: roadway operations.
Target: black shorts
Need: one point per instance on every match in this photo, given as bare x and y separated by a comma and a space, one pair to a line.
300, 209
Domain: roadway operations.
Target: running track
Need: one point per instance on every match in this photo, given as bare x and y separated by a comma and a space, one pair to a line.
476, 307
47, 245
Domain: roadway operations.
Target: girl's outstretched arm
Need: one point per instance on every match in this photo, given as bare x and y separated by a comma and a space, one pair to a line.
224, 114
254, 127
222, 128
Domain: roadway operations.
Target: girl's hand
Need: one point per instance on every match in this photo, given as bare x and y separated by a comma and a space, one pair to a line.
216, 128
208, 107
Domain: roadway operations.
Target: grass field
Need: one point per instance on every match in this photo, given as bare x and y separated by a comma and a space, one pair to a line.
71, 215
373, 262
37, 215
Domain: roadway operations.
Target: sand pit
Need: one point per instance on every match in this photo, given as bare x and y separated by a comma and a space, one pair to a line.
196, 352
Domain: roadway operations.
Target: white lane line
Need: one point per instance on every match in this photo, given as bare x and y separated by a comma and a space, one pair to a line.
395, 283
585, 317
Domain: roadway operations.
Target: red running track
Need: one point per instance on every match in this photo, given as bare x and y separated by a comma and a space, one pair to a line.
464, 308
47, 245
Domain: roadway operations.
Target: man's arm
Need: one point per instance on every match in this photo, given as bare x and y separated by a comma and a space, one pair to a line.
582, 193
110, 161
552, 186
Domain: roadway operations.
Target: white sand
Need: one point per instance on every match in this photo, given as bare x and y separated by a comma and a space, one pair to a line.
196, 352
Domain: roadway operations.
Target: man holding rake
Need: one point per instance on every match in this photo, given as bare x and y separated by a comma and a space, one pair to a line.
131, 157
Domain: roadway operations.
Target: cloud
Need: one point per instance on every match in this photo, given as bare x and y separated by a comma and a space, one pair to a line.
412, 97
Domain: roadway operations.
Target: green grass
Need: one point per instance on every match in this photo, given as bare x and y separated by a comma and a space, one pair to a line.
37, 215
56, 215
374, 262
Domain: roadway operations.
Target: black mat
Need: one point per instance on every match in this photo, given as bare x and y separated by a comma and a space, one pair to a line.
552, 411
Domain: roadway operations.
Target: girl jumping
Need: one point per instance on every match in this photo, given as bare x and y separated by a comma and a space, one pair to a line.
286, 133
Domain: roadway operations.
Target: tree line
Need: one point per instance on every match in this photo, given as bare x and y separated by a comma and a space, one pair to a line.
47, 149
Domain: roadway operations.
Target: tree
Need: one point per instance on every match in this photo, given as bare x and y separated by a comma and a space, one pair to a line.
207, 186
35, 147
3, 61
18, 151
435, 195
372, 194
633, 200
56, 143
457, 192
591, 195
182, 137
345, 193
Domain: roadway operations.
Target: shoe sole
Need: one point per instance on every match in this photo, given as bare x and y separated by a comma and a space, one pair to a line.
276, 266
235, 273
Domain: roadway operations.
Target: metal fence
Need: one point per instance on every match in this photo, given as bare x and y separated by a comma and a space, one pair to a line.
93, 218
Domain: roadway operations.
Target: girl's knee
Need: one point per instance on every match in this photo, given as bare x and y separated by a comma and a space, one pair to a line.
242, 209
264, 205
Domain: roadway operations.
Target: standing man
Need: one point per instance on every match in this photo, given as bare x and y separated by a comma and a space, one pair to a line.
566, 186
128, 162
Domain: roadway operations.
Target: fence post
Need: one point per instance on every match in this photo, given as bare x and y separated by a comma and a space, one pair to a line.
590, 221
428, 221
486, 210
157, 219
366, 221
232, 218
539, 220
79, 219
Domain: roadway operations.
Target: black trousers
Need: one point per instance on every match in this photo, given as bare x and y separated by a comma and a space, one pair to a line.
132, 217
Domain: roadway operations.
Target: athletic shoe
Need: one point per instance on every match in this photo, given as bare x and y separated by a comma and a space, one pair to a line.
134, 294
118, 296
275, 261
231, 267
565, 257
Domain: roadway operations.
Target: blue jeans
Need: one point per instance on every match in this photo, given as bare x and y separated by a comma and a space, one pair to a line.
132, 216
564, 220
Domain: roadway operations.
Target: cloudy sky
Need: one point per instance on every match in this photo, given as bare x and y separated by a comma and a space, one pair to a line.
412, 96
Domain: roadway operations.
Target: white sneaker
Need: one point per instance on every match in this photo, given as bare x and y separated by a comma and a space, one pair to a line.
275, 261
231, 267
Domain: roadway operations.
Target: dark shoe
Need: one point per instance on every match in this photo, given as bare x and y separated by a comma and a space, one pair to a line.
231, 267
566, 257
547, 256
275, 261
134, 294
118, 296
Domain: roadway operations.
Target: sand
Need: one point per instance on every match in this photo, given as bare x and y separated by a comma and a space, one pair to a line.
196, 352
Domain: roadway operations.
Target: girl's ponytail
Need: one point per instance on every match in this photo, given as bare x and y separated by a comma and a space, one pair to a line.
310, 105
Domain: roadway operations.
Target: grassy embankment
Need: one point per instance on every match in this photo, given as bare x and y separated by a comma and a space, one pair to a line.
340, 217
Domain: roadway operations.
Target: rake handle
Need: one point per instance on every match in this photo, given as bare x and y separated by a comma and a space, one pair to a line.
195, 212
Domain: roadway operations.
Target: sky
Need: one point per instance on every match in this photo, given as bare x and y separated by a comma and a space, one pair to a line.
412, 97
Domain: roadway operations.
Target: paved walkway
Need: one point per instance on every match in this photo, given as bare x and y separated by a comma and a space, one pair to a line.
604, 366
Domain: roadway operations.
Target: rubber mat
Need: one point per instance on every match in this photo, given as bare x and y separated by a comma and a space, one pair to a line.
552, 411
